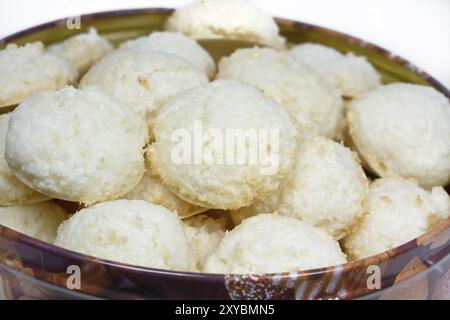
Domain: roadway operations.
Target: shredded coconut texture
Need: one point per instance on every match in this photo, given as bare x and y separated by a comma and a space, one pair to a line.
12, 191
314, 103
28, 69
216, 182
204, 234
144, 81
268, 204
76, 145
404, 129
398, 211
83, 50
152, 189
352, 75
268, 243
228, 19
129, 231
327, 187
38, 220
177, 44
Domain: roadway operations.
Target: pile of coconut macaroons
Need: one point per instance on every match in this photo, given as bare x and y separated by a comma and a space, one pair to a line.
277, 158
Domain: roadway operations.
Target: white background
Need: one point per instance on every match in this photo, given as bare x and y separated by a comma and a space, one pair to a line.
418, 30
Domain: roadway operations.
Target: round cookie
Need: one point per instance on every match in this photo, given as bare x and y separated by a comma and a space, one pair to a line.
83, 50
144, 81
76, 145
12, 191
177, 44
204, 234
398, 211
151, 189
268, 243
352, 75
223, 145
28, 69
315, 104
327, 187
133, 232
228, 19
403, 129
38, 220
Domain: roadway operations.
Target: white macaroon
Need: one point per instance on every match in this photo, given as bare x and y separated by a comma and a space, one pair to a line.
28, 69
177, 44
131, 232
403, 129
268, 243
144, 81
228, 19
327, 187
12, 191
152, 189
398, 211
204, 234
83, 50
315, 104
352, 75
38, 220
223, 145
76, 144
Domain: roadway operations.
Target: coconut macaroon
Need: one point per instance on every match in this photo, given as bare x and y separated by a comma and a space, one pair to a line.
398, 211
223, 145
404, 129
12, 191
352, 75
315, 104
151, 189
38, 220
129, 231
144, 81
28, 69
77, 145
327, 187
83, 50
268, 243
228, 19
204, 234
177, 44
